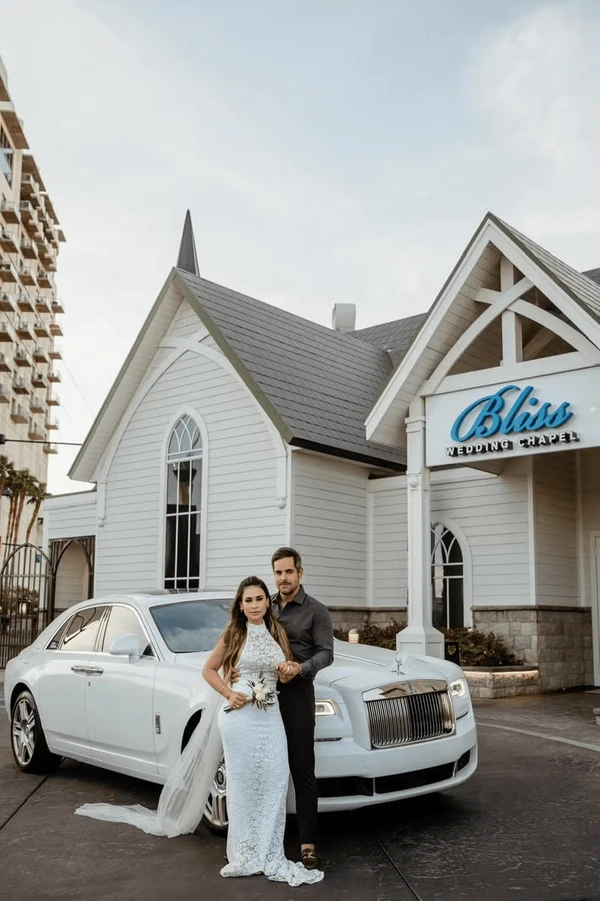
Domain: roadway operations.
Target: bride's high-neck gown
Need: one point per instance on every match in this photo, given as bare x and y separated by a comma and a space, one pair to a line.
256, 760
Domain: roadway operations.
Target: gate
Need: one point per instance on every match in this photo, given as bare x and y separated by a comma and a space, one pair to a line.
26, 598
28, 591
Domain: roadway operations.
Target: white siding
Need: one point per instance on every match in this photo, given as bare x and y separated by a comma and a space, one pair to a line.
389, 525
243, 521
70, 516
185, 323
493, 515
329, 527
555, 512
590, 514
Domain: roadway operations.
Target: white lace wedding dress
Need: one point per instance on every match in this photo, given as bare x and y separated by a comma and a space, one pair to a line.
256, 760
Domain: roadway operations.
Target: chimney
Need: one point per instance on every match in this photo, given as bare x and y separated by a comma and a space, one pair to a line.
344, 317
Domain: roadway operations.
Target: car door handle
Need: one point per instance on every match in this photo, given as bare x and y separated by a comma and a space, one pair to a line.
88, 670
79, 669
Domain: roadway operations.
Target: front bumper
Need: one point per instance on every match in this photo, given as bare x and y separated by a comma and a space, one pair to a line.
350, 776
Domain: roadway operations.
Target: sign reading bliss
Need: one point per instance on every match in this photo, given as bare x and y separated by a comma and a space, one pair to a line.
513, 418
492, 415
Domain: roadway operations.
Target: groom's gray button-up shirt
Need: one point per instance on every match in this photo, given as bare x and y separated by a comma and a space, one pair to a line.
309, 629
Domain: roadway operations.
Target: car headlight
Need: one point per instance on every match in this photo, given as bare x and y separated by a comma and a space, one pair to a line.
325, 707
459, 692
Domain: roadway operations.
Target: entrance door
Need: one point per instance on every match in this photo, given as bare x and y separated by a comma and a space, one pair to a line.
596, 606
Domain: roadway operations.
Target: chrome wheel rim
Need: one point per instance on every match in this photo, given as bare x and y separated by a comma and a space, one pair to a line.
216, 805
23, 732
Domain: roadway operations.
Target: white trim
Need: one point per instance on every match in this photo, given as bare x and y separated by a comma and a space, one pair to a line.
452, 526
503, 374
531, 529
183, 410
580, 531
370, 580
559, 327
595, 600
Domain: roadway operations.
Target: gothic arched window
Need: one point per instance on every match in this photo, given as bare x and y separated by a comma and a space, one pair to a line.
184, 505
447, 586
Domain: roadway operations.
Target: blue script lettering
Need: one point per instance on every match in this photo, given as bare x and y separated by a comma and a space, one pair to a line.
492, 419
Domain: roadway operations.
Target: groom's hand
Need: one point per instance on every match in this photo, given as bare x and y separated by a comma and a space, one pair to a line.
288, 670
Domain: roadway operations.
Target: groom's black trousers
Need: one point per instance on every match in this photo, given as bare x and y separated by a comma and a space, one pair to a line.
297, 705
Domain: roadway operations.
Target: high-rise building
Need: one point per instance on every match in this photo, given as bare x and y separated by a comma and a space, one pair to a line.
30, 237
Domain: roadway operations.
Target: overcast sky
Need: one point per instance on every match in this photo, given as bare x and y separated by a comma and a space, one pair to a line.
329, 150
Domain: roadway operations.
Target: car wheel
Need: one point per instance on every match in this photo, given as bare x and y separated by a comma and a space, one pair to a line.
215, 814
28, 742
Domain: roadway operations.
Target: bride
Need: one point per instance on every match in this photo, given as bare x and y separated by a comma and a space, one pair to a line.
249, 730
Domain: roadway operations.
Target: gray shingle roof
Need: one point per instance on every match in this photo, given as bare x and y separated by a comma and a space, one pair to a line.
394, 337
578, 285
594, 274
321, 383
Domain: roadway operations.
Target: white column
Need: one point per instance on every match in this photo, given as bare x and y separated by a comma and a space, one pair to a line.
419, 637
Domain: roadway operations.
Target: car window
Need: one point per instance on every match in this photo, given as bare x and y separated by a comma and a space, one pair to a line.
124, 621
54, 642
190, 626
81, 632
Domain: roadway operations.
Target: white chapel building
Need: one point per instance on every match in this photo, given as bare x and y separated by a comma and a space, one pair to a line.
442, 470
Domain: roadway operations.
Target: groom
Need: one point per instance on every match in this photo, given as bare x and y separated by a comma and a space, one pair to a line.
310, 632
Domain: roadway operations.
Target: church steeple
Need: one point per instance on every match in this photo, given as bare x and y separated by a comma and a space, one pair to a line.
187, 258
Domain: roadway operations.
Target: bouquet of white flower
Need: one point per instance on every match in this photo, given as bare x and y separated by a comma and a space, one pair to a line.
261, 696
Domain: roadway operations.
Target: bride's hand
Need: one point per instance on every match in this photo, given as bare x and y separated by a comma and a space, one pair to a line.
287, 670
237, 699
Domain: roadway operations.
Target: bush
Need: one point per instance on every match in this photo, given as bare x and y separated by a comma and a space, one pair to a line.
379, 636
475, 648
480, 648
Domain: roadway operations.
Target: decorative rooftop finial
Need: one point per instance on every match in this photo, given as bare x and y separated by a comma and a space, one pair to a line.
187, 258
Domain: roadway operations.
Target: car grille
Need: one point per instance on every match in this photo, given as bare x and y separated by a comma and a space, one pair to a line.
414, 717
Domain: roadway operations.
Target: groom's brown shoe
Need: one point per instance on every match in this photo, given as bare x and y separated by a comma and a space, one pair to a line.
310, 859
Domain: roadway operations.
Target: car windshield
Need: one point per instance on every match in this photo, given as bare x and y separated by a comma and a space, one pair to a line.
191, 626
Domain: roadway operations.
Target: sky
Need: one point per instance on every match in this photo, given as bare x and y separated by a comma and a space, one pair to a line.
329, 151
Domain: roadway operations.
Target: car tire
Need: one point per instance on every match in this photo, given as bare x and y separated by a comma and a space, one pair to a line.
28, 742
215, 814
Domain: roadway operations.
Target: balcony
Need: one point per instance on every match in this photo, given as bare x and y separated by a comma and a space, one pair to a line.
7, 303
44, 279
6, 332
38, 380
53, 400
54, 376
55, 329
28, 215
7, 242
9, 212
36, 405
51, 423
40, 327
27, 275
5, 363
23, 330
40, 355
20, 385
24, 302
35, 431
21, 358
29, 186
50, 448
41, 304
17, 413
57, 306
5, 395
54, 353
8, 273
48, 260
28, 249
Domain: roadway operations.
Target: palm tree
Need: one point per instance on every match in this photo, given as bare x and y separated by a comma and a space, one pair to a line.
6, 472
21, 483
37, 494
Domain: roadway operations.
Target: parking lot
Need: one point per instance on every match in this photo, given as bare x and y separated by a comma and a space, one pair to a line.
526, 827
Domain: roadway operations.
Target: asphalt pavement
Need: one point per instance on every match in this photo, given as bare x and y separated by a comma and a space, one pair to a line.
526, 826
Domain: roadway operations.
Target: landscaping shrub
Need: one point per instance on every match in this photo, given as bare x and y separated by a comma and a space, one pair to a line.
476, 648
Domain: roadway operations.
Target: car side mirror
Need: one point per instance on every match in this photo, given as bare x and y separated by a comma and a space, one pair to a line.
126, 646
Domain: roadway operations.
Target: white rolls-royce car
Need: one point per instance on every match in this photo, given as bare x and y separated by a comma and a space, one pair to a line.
116, 682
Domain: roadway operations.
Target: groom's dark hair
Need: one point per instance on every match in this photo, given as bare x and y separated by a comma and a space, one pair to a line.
282, 552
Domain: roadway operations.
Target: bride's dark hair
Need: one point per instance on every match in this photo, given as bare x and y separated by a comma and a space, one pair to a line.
235, 633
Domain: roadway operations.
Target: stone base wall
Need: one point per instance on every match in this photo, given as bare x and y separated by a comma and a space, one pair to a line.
347, 618
502, 682
558, 640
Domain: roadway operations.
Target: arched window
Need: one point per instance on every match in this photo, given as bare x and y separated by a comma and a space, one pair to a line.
446, 578
184, 505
